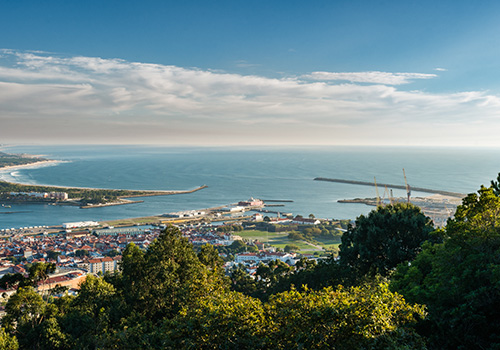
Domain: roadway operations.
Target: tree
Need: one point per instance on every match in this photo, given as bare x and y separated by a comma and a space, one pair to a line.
388, 236
90, 316
495, 185
112, 253
132, 273
241, 281
295, 236
39, 272
238, 246
364, 317
209, 257
12, 280
52, 254
459, 280
7, 342
33, 321
167, 276
228, 320
291, 248
81, 253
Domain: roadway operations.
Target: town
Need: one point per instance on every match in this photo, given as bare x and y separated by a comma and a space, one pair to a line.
242, 240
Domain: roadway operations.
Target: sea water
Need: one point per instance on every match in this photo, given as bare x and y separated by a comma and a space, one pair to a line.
234, 174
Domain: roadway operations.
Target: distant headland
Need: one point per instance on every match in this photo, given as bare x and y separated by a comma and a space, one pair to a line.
61, 195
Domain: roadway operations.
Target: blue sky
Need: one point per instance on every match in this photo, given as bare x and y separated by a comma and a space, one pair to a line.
251, 72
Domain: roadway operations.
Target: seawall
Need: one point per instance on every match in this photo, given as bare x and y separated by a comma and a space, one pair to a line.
419, 189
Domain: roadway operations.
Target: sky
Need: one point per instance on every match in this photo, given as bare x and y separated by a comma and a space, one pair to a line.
215, 73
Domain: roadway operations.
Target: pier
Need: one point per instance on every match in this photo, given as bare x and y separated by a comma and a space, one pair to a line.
418, 189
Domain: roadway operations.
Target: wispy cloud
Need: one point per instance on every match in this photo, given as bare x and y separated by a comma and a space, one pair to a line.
113, 100
245, 64
441, 69
384, 78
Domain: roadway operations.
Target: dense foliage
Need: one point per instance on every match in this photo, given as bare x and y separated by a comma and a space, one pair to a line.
169, 297
459, 280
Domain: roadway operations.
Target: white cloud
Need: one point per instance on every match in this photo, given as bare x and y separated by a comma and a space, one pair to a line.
441, 69
369, 77
112, 100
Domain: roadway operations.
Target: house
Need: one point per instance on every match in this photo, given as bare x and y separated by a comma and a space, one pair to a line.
305, 221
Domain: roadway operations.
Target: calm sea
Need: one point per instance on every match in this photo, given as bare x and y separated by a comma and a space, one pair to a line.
234, 174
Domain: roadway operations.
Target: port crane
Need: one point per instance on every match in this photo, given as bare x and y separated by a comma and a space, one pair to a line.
389, 195
376, 189
408, 190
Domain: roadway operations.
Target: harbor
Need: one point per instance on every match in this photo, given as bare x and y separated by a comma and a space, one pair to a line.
439, 206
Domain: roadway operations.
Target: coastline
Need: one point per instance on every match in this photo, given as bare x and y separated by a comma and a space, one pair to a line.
34, 165
122, 199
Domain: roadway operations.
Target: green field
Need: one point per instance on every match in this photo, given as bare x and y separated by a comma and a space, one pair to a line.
280, 240
328, 243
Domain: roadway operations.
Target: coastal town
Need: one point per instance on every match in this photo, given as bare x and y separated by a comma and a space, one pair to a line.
245, 235
237, 231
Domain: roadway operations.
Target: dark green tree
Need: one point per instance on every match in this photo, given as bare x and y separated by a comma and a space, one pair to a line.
388, 236
242, 282
495, 185
52, 254
459, 280
291, 248
81, 253
39, 272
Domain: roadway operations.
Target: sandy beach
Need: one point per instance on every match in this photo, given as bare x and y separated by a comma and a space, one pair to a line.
39, 164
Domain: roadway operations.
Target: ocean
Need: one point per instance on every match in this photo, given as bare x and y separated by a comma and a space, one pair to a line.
238, 173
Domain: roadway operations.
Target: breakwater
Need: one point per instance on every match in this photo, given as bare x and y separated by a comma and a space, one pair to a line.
419, 189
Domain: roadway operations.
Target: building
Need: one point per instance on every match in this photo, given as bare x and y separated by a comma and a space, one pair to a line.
232, 209
303, 221
251, 203
129, 231
104, 265
185, 214
78, 224
264, 256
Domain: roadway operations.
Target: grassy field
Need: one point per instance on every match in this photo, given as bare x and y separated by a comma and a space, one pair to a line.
328, 243
280, 240
132, 221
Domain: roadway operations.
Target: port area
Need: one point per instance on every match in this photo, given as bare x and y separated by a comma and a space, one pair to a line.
438, 207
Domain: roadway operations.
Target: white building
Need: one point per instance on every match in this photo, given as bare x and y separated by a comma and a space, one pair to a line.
80, 224
103, 265
264, 256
